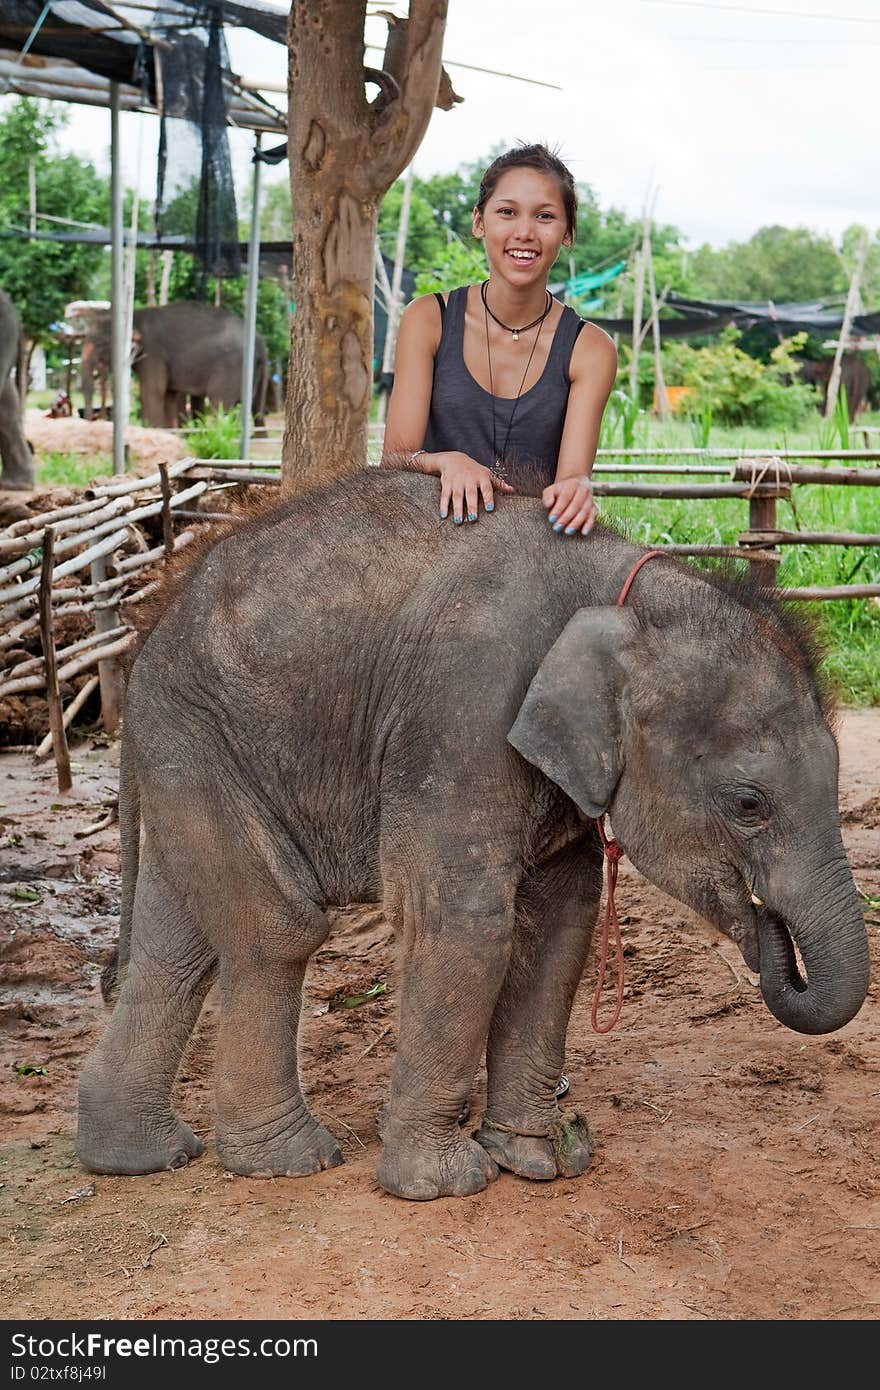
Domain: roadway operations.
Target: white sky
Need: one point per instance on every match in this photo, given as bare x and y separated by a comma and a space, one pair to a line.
739, 114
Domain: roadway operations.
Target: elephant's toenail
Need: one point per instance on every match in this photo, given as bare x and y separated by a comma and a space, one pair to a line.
179, 1161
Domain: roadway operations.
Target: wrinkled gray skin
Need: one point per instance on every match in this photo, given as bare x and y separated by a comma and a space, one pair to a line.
181, 349
353, 701
18, 460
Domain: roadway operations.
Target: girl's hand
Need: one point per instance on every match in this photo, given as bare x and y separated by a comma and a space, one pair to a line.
571, 505
462, 482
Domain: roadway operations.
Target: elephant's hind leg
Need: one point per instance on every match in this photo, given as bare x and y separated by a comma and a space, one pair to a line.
125, 1121
524, 1130
264, 1126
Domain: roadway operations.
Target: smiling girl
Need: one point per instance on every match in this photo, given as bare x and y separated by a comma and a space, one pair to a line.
501, 374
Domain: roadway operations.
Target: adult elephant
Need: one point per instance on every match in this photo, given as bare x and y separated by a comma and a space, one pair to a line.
435, 718
182, 349
855, 378
16, 453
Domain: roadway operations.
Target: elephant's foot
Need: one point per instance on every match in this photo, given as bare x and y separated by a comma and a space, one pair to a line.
457, 1168
564, 1153
292, 1154
138, 1143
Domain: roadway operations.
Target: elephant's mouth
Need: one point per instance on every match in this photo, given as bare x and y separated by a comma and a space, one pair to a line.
764, 939
772, 944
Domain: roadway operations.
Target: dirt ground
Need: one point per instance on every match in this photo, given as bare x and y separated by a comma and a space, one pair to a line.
736, 1171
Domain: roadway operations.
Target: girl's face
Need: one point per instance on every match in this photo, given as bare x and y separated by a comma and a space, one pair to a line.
524, 225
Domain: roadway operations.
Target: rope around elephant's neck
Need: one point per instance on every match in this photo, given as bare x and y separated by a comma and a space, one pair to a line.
612, 856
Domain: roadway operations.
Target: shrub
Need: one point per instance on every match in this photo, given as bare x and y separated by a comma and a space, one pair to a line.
216, 434
736, 388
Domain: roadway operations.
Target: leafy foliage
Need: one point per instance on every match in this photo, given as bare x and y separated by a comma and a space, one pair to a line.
42, 276
216, 434
737, 388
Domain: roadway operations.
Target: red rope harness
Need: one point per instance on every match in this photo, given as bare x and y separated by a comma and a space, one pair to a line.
612, 857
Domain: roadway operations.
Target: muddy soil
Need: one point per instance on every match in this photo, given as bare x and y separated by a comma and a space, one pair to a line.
736, 1171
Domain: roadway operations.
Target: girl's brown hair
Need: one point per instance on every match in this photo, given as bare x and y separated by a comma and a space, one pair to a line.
532, 157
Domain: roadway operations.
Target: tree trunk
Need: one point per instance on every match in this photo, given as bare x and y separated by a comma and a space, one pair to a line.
344, 153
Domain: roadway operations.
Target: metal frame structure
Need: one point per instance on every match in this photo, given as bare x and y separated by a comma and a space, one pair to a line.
30, 73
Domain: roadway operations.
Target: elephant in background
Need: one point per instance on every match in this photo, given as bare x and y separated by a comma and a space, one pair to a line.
855, 378
181, 349
18, 459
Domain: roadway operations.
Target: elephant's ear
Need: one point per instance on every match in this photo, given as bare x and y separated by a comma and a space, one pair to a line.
569, 723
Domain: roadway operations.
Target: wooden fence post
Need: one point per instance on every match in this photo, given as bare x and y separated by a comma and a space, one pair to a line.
109, 672
47, 635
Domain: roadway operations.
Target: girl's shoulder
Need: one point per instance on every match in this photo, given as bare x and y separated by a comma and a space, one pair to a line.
592, 346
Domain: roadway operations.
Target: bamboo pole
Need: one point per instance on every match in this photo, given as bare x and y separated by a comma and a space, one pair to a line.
659, 383
865, 455
26, 668
23, 528
28, 591
730, 552
167, 527
97, 653
243, 475
798, 473
762, 517
153, 480
837, 591
674, 490
759, 537
53, 698
638, 295
43, 749
852, 304
82, 523
109, 672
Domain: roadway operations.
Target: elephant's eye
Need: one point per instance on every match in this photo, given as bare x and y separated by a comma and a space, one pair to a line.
749, 805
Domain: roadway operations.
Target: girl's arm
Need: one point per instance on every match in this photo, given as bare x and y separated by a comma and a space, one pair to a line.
593, 368
407, 419
463, 481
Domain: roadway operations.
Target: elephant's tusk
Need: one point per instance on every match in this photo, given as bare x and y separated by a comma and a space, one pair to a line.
759, 902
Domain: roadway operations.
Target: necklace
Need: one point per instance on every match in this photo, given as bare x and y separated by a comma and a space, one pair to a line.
516, 331
539, 324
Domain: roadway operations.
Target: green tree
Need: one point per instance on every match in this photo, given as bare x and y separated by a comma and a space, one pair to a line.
783, 264
42, 276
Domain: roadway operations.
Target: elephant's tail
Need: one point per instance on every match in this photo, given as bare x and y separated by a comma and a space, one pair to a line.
130, 838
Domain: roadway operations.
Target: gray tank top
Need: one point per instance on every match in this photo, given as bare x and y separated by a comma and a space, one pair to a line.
460, 417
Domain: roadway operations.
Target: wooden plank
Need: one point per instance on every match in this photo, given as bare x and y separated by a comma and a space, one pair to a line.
47, 637
798, 473
762, 537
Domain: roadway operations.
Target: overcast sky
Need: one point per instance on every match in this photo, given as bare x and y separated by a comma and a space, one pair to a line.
739, 114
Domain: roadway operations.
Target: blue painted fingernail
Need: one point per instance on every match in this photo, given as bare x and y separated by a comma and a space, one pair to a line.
569, 530
490, 506
552, 519
443, 516
472, 516
587, 530
458, 521
558, 526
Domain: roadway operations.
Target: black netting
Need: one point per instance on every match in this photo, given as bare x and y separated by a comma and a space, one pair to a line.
83, 31
195, 194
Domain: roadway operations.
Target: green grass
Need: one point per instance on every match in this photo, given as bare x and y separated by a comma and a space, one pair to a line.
216, 434
77, 470
850, 628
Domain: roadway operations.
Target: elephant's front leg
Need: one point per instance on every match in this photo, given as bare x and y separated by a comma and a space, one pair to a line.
456, 930
524, 1129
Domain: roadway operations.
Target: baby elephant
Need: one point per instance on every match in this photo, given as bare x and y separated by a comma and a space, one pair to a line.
348, 701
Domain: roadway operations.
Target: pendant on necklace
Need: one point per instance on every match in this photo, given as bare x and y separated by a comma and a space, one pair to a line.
515, 336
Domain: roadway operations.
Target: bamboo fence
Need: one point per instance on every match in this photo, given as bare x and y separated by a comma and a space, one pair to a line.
92, 557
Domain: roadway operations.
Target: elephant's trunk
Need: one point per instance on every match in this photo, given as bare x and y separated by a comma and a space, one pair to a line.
822, 916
